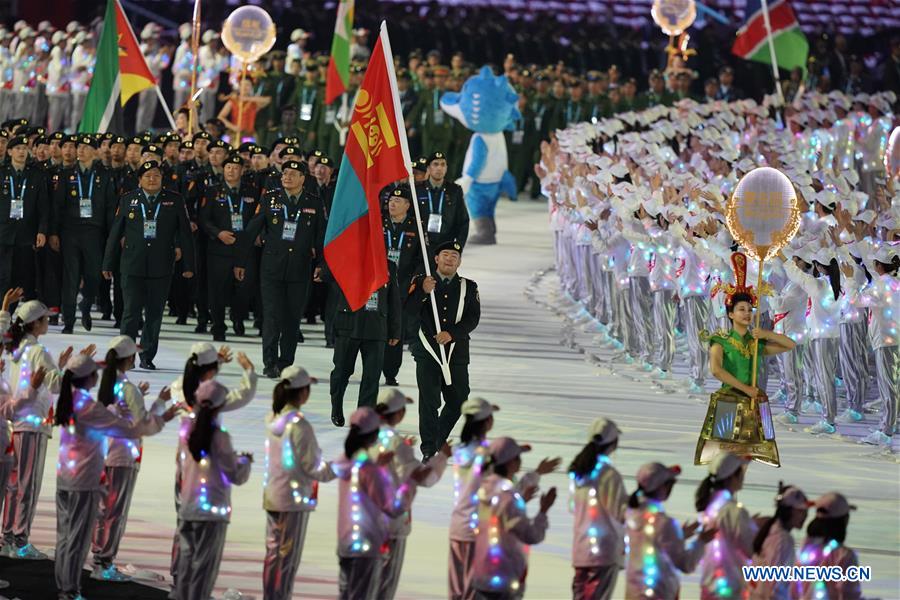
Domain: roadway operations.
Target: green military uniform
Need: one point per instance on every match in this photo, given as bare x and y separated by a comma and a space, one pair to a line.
405, 251
308, 98
435, 125
650, 99
292, 231
84, 207
279, 86
459, 309
536, 131
24, 213
363, 331
520, 154
142, 245
599, 107
227, 209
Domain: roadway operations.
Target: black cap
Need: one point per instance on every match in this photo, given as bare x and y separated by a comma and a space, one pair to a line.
296, 165
109, 135
290, 151
152, 148
257, 149
401, 192
118, 139
57, 136
435, 156
420, 164
186, 145
234, 159
245, 147
88, 140
147, 166
326, 160
18, 140
136, 141
218, 144
40, 140
71, 139
449, 245
201, 135
4, 134
318, 153
292, 140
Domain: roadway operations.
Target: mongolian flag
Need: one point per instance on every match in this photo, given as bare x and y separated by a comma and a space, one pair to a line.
373, 158
791, 47
339, 63
120, 72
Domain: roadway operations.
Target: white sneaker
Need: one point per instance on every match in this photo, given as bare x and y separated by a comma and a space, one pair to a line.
812, 407
787, 418
110, 573
822, 426
646, 367
849, 416
29, 552
659, 374
877, 438
695, 389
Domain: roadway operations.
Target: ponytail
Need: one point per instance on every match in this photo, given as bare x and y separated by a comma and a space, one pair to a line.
473, 430
834, 277
703, 495
201, 436
190, 379
356, 441
282, 395
65, 402
17, 332
108, 377
586, 460
636, 498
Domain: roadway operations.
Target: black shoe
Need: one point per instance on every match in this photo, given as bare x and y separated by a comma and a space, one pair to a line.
310, 320
219, 337
86, 321
391, 381
106, 316
238, 327
200, 328
54, 319
67, 329
300, 338
329, 344
181, 321
426, 458
173, 312
271, 373
337, 417
147, 365
117, 324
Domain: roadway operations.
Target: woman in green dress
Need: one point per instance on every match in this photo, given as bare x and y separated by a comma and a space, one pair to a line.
739, 419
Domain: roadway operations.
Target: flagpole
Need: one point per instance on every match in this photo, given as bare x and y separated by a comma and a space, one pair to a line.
407, 160
771, 43
195, 48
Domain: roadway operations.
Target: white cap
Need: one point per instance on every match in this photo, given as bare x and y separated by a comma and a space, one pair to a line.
393, 400
81, 365
365, 420
210, 394
209, 35
504, 449
792, 497
31, 311
299, 34
652, 476
887, 252
824, 255
297, 377
726, 464
72, 26
833, 505
603, 431
57, 37
123, 345
478, 408
206, 353
184, 31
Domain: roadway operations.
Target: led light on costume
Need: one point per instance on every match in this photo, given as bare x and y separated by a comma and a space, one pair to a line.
595, 527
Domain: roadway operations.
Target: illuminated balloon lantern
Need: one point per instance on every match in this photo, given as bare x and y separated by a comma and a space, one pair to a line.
762, 216
674, 17
892, 154
248, 34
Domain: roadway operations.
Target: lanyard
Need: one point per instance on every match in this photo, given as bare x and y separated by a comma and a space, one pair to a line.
231, 206
436, 99
278, 90
90, 189
285, 210
387, 232
307, 98
540, 113
569, 113
440, 208
12, 187
144, 209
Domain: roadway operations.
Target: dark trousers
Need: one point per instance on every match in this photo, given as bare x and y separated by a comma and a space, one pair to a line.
109, 296
346, 350
17, 269
145, 295
332, 298
434, 429
81, 263
49, 281
225, 291
393, 355
283, 305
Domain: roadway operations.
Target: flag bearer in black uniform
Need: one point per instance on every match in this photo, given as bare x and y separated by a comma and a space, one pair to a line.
291, 226
224, 214
401, 237
459, 309
445, 217
24, 218
150, 232
84, 206
364, 331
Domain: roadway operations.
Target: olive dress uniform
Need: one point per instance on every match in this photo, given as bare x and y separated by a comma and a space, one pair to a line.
536, 131
451, 217
436, 125
404, 250
141, 243
519, 152
308, 99
227, 209
292, 231
84, 207
459, 310
364, 331
24, 213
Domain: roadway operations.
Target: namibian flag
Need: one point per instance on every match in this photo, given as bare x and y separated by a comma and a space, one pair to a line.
375, 155
791, 47
339, 63
120, 72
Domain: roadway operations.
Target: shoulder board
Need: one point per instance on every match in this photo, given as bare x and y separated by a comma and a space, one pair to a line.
309, 210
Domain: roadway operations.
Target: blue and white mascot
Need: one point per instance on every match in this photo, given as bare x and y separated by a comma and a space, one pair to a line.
487, 106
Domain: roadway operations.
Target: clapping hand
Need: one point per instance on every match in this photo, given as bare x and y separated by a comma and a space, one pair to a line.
548, 499
12, 296
548, 465
224, 354
144, 387
244, 361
